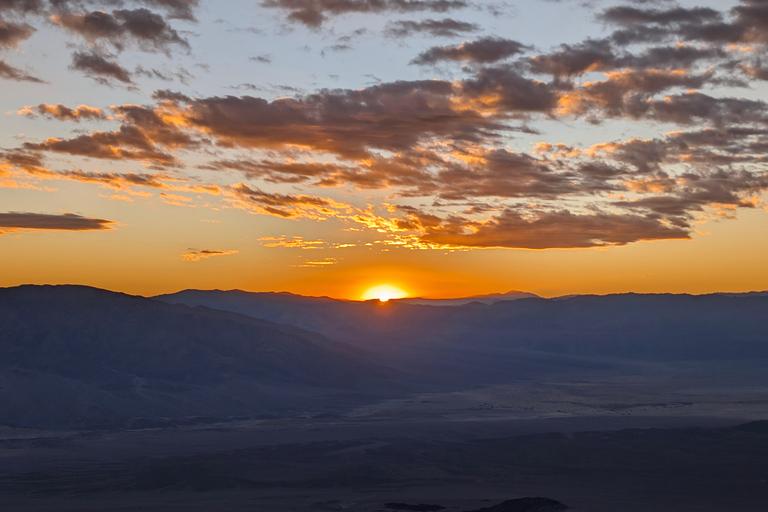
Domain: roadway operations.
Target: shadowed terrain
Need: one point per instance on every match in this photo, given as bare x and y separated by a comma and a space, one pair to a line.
85, 356
237, 401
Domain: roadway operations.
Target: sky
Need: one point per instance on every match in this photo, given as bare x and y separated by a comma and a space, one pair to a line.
447, 148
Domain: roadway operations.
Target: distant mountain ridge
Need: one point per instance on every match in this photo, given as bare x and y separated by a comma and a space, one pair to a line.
626, 326
87, 355
482, 299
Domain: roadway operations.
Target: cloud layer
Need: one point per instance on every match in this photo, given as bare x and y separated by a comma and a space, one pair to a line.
440, 148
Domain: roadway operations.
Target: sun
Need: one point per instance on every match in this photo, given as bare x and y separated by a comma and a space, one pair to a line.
384, 292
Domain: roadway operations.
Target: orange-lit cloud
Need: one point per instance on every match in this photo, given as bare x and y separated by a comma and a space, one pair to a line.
198, 254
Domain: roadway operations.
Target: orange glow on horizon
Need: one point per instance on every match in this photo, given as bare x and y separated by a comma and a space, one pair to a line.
384, 292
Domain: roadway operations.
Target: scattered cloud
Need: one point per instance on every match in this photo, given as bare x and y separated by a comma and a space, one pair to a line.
295, 242
313, 13
445, 145
479, 51
325, 262
100, 69
198, 254
9, 72
63, 113
445, 27
12, 222
141, 26
11, 34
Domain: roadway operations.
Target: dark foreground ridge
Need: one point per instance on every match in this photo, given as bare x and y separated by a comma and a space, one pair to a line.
421, 507
634, 470
526, 505
517, 505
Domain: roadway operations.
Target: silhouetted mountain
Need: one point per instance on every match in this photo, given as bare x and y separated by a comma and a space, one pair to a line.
482, 299
525, 338
628, 326
374, 325
75, 354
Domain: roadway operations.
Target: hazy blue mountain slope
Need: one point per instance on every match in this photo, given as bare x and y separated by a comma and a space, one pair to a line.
625, 326
78, 352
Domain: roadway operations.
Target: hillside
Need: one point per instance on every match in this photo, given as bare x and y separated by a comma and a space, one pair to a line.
87, 355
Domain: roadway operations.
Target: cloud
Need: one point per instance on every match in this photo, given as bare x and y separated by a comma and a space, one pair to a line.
197, 255
296, 242
180, 9
264, 58
570, 60
100, 69
285, 205
394, 117
22, 221
21, 6
144, 135
625, 15
11, 73
541, 230
325, 262
482, 51
32, 164
445, 145
446, 27
147, 29
748, 23
627, 93
313, 13
11, 34
125, 144
63, 113
504, 90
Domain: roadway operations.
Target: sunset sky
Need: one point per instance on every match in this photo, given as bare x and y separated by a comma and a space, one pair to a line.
445, 147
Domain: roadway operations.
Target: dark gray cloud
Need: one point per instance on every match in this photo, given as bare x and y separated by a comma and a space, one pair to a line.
744, 23
21, 6
696, 107
570, 60
313, 13
100, 69
446, 27
180, 9
149, 30
9, 72
11, 34
14, 221
625, 15
505, 89
483, 51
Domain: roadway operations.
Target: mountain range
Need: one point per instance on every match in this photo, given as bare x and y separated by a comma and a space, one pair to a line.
73, 355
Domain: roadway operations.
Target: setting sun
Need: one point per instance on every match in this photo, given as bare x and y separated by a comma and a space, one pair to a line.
384, 292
